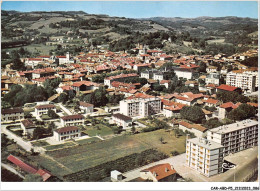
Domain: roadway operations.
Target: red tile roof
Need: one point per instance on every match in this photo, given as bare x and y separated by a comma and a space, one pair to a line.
44, 174
161, 170
230, 105
27, 123
212, 101
84, 104
26, 167
66, 129
12, 110
227, 87
68, 117
47, 106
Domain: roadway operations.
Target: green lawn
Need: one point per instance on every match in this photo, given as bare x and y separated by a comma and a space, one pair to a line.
89, 155
45, 117
102, 131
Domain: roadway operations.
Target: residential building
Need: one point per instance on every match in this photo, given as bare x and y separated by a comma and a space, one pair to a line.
238, 78
196, 129
65, 133
212, 78
158, 76
225, 108
28, 127
227, 88
121, 77
188, 98
211, 69
204, 156
184, 73
235, 137
12, 114
86, 107
122, 120
140, 105
84, 86
72, 120
43, 109
159, 173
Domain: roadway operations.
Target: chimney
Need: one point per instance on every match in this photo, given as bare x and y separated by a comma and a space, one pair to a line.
166, 169
154, 173
172, 167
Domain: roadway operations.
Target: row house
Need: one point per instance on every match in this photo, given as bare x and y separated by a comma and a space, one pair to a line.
12, 114
197, 129
72, 120
39, 73
84, 86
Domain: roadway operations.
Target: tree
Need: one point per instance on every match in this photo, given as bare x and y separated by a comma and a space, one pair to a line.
244, 111
192, 113
63, 98
39, 132
52, 114
51, 127
212, 123
33, 178
175, 153
18, 64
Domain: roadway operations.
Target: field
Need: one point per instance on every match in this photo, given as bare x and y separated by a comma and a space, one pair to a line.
98, 129
89, 155
34, 48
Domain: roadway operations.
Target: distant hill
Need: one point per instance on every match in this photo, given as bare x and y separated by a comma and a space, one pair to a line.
123, 33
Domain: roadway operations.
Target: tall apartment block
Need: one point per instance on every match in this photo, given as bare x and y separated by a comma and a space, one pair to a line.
140, 106
235, 137
238, 78
204, 156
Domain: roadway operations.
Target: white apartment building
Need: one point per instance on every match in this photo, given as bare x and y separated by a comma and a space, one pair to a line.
72, 120
238, 78
235, 137
253, 71
204, 156
184, 73
140, 106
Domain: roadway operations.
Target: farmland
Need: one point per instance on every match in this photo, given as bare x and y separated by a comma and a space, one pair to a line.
87, 155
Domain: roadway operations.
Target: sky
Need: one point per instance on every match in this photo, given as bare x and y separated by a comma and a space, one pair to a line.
142, 9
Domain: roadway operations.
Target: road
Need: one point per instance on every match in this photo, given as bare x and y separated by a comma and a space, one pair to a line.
25, 145
65, 109
10, 168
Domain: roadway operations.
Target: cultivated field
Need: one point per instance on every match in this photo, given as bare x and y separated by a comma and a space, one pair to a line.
87, 155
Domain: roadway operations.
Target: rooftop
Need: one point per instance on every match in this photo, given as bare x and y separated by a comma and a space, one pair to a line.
121, 116
234, 126
210, 145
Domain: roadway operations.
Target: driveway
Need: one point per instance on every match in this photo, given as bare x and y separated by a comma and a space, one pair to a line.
65, 109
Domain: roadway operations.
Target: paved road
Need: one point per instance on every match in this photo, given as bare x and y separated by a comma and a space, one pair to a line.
25, 145
10, 168
65, 109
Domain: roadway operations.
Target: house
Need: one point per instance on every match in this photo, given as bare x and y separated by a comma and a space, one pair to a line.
212, 78
211, 69
122, 120
172, 109
65, 133
28, 127
28, 168
159, 173
12, 114
72, 120
211, 102
197, 129
188, 98
225, 108
43, 109
84, 86
165, 83
86, 107
139, 67
184, 73
120, 78
228, 88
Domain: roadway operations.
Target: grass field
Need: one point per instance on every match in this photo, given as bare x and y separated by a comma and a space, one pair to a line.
87, 141
34, 48
102, 130
39, 143
89, 155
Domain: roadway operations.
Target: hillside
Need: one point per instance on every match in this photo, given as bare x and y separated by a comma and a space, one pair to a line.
186, 35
